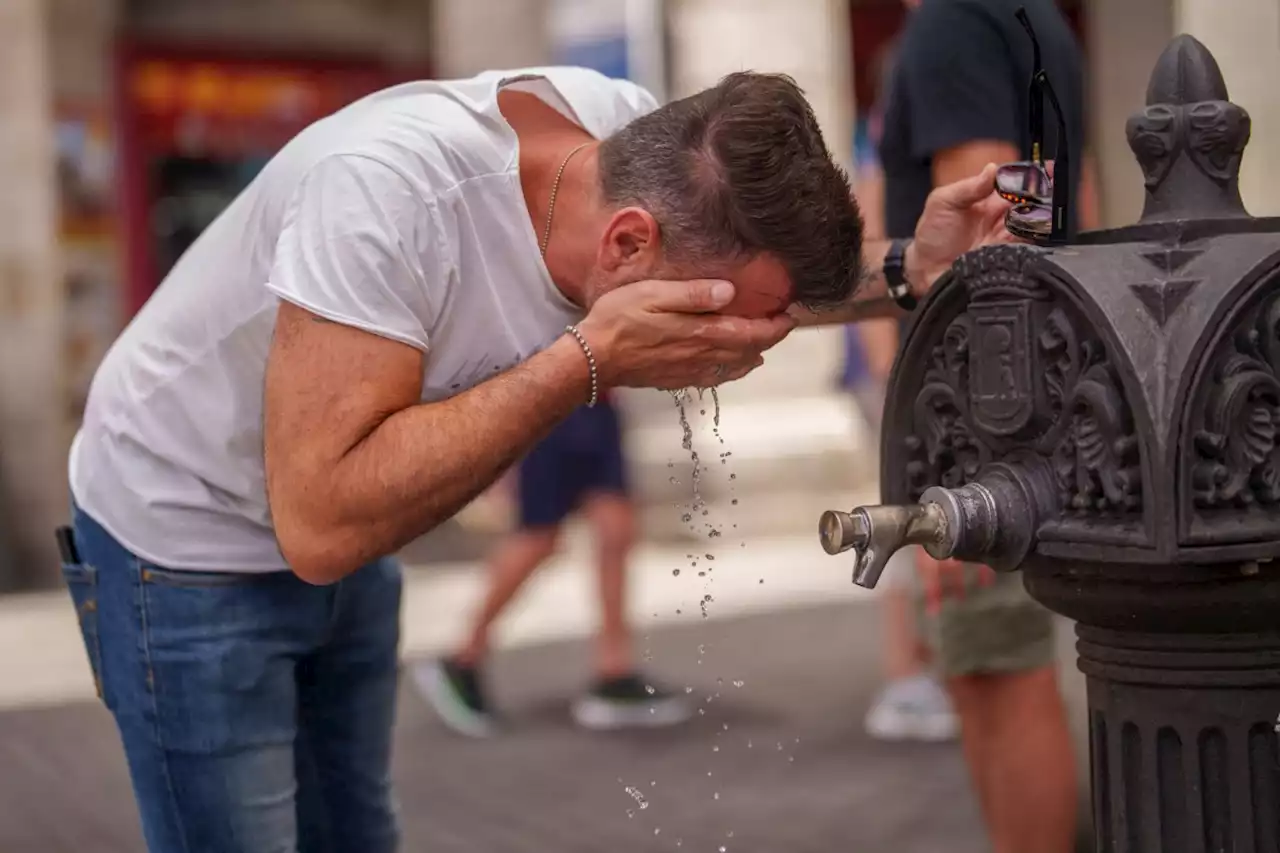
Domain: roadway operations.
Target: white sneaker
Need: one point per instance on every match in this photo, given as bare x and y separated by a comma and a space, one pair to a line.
912, 709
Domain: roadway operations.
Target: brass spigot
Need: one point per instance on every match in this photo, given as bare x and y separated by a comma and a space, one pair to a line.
875, 533
966, 523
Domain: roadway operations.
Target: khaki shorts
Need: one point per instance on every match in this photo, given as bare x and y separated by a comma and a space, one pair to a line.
994, 628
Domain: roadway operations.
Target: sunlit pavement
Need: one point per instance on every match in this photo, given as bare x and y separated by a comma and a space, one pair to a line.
784, 752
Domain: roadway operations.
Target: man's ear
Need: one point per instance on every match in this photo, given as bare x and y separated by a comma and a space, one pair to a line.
632, 240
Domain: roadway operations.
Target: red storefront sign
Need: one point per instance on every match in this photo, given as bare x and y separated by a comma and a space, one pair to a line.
218, 117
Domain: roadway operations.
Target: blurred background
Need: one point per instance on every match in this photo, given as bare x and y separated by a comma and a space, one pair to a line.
127, 125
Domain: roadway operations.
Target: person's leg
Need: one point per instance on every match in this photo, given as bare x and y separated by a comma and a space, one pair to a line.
513, 562
346, 711
612, 519
621, 696
547, 488
995, 647
198, 670
911, 705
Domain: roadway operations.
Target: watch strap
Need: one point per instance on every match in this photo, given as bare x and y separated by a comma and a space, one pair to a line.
895, 275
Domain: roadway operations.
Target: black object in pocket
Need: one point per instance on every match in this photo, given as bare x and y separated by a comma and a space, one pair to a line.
82, 583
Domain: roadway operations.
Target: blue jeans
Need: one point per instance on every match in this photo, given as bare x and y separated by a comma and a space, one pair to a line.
255, 710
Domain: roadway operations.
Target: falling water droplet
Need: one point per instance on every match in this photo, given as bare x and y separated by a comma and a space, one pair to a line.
637, 795
675, 573
715, 748
702, 648
750, 745
718, 797
649, 688
734, 501
688, 690
738, 683
657, 830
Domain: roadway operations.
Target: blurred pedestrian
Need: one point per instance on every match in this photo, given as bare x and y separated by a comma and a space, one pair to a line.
959, 99
580, 467
407, 298
911, 705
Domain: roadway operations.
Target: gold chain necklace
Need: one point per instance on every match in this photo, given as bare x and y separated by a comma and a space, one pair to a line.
555, 189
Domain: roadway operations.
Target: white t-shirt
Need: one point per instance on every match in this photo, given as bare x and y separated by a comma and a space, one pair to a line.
401, 215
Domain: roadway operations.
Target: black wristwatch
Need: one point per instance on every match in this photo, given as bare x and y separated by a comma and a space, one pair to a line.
895, 275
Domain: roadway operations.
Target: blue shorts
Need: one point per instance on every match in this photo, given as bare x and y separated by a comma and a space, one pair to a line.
582, 456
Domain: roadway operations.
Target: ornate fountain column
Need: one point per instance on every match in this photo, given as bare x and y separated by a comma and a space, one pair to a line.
1105, 417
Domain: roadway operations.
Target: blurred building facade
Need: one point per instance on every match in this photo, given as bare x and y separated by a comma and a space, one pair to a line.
125, 124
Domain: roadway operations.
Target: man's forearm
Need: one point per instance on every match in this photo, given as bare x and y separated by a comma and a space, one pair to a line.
422, 465
871, 300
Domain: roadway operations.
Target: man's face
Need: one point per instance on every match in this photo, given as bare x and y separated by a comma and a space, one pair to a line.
631, 251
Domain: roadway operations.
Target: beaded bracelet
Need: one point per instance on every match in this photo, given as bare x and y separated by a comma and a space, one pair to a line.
591, 363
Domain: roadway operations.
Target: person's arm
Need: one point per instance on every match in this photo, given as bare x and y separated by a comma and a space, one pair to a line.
356, 465
969, 158
957, 218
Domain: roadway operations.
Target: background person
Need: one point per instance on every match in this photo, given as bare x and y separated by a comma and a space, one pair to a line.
958, 98
580, 467
911, 705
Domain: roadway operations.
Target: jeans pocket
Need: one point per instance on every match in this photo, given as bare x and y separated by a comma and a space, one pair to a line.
82, 584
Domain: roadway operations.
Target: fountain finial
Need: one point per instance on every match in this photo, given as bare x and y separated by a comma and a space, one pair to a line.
1189, 139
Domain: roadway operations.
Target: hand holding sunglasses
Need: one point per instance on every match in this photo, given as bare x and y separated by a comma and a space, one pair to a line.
1040, 203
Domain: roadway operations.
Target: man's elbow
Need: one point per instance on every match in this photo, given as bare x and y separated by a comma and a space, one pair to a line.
316, 557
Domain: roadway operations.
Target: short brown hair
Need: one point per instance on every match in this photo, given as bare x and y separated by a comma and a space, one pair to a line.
740, 170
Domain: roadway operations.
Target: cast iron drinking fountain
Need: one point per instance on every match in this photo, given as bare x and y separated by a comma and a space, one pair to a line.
1105, 418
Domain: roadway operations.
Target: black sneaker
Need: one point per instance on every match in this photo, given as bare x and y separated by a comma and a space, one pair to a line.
629, 702
455, 692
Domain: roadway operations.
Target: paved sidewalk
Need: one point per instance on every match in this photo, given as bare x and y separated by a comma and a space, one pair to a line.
785, 752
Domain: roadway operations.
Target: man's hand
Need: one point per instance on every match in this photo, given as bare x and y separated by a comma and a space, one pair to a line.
665, 334
957, 218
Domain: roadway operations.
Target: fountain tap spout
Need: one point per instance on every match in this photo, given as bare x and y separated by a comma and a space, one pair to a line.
876, 533
992, 521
